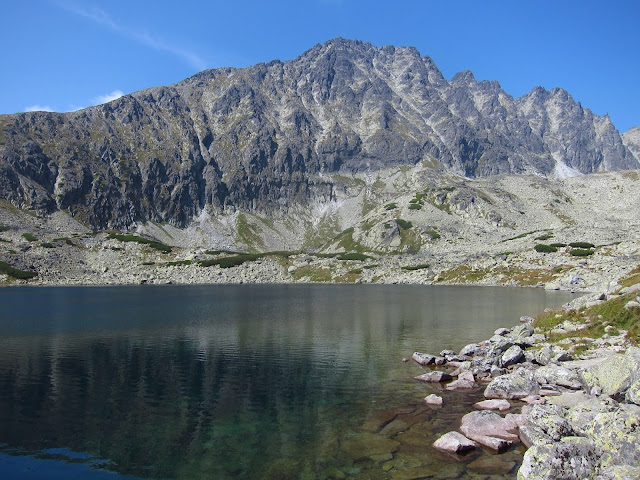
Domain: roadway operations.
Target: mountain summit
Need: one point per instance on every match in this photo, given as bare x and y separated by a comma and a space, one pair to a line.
266, 136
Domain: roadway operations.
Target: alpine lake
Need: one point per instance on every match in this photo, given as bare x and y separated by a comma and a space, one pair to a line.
241, 382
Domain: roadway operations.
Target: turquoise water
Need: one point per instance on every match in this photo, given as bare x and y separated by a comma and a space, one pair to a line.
277, 381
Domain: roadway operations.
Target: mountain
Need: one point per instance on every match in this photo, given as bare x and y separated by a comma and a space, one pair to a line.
276, 136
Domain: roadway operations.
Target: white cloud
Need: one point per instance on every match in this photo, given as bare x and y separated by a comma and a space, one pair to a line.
101, 17
100, 99
38, 108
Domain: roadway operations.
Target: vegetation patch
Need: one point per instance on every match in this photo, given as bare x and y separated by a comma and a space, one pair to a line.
314, 274
177, 263
433, 234
546, 236
16, 273
581, 253
355, 271
595, 319
543, 248
522, 235
141, 240
238, 259
3, 228
415, 206
581, 245
368, 267
353, 256
631, 278
390, 206
558, 244
350, 277
29, 237
48, 245
403, 224
421, 266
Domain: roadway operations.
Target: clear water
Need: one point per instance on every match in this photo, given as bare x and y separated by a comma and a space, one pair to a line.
276, 381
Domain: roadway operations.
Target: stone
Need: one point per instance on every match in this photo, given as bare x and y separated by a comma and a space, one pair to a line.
501, 331
512, 356
522, 331
557, 375
439, 360
631, 304
364, 445
515, 385
454, 442
470, 350
433, 399
501, 405
456, 358
423, 358
530, 435
534, 400
619, 472
445, 353
575, 458
464, 381
497, 371
617, 433
489, 429
615, 374
550, 420
436, 376
492, 465
633, 393
544, 355
526, 319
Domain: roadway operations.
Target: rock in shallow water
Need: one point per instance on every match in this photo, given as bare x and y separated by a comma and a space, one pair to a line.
423, 358
501, 405
454, 442
435, 376
433, 399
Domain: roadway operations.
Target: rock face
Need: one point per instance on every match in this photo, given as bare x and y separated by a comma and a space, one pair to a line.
519, 384
261, 138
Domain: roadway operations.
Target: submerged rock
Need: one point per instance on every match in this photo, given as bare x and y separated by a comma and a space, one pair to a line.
365, 445
433, 399
435, 376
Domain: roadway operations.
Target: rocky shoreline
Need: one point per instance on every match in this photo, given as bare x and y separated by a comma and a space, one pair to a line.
571, 399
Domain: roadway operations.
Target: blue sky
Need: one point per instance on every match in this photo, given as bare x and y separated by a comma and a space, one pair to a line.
67, 54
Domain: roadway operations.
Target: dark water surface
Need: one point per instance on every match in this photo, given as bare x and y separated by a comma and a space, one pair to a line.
216, 382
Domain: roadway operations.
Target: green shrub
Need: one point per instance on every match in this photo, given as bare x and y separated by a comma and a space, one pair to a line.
415, 206
542, 248
546, 236
368, 267
581, 245
355, 271
178, 262
232, 261
353, 256
416, 267
558, 244
3, 228
15, 273
141, 240
578, 252
404, 224
433, 234
390, 206
346, 231
47, 245
28, 237
148, 263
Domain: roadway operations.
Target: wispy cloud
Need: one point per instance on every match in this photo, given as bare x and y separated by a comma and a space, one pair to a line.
38, 108
100, 99
147, 39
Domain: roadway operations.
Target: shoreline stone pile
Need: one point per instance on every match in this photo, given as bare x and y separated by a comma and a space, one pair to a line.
579, 419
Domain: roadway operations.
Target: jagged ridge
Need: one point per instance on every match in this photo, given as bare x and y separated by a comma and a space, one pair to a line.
262, 138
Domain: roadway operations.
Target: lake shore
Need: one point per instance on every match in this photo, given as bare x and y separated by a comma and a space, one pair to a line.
567, 382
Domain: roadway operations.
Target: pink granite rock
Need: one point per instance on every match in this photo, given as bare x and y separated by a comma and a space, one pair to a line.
454, 442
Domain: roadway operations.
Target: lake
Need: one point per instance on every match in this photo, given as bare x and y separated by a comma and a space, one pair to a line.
250, 381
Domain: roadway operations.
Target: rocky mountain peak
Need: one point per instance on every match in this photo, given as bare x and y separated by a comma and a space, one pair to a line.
270, 136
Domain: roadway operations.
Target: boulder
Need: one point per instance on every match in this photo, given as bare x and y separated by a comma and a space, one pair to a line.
476, 425
423, 358
435, 376
526, 319
557, 375
454, 442
617, 433
470, 349
530, 435
465, 381
615, 374
515, 385
575, 458
522, 331
512, 356
633, 393
501, 331
549, 419
619, 472
501, 405
446, 352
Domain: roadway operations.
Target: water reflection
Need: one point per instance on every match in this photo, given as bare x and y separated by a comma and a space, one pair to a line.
226, 382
